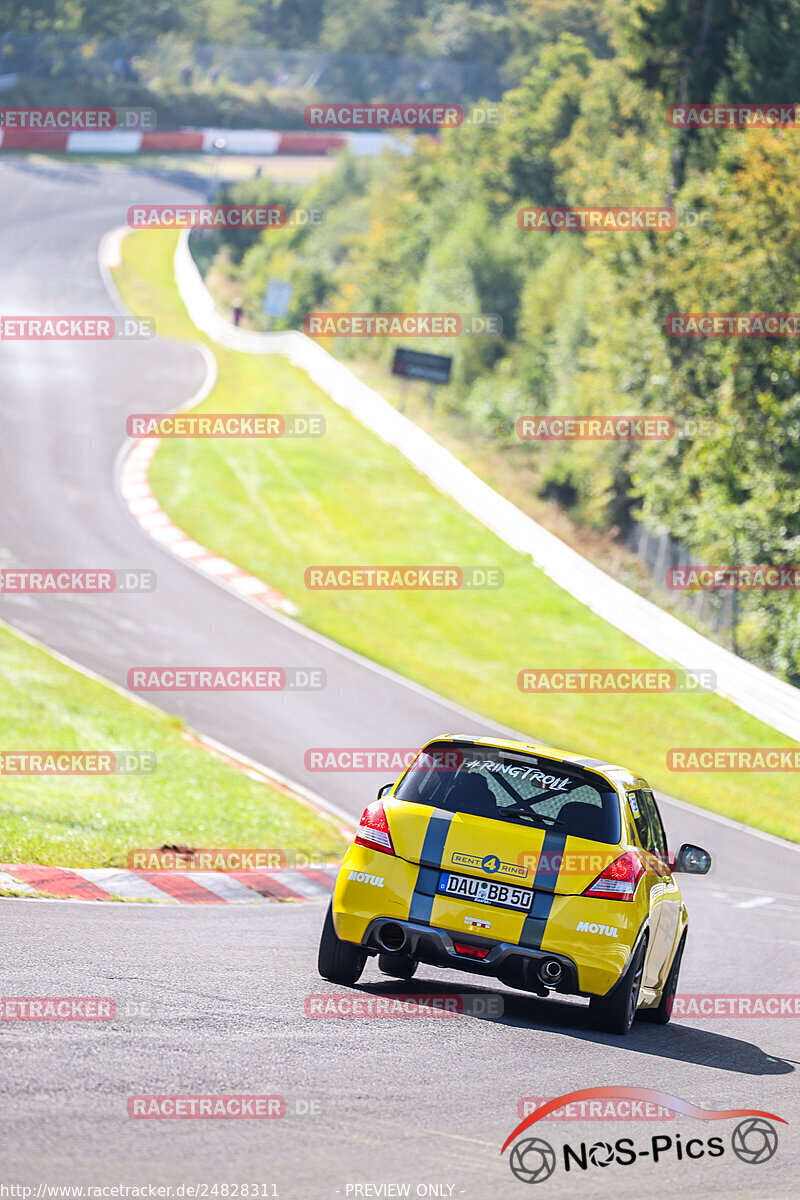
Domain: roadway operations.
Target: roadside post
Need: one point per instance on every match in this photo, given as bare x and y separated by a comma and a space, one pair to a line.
414, 364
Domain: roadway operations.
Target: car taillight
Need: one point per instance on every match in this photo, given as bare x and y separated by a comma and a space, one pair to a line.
471, 951
373, 829
619, 880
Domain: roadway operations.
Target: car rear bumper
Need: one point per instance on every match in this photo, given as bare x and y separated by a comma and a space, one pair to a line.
516, 966
591, 938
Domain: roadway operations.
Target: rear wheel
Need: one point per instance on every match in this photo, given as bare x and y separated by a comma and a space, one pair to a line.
614, 1013
338, 961
661, 1014
399, 966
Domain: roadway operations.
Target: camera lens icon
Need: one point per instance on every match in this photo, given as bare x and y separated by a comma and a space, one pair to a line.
754, 1140
601, 1154
533, 1160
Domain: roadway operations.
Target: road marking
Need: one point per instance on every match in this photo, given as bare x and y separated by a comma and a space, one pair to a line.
145, 509
111, 248
186, 887
757, 903
57, 881
122, 883
226, 888
301, 884
8, 881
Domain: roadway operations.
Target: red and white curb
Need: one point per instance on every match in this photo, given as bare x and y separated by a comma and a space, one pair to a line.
145, 509
169, 887
134, 486
198, 141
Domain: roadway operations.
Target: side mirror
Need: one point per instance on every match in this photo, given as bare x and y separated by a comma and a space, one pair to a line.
387, 787
692, 860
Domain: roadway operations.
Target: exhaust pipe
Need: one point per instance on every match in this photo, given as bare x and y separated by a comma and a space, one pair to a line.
392, 937
550, 972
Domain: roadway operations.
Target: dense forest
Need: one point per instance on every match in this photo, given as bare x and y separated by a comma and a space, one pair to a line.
501, 32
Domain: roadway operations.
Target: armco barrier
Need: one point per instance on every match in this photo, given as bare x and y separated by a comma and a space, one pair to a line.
753, 690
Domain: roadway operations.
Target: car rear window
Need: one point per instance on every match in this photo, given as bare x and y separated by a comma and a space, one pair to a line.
487, 781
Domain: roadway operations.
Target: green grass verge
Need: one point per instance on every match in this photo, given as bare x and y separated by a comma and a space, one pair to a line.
276, 507
193, 798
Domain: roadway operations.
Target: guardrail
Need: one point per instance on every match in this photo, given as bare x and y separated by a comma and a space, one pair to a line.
753, 690
262, 142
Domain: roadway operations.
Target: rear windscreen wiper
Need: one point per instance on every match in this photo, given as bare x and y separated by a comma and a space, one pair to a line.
540, 818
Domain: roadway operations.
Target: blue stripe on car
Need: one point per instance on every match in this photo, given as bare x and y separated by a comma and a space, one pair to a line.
428, 876
544, 883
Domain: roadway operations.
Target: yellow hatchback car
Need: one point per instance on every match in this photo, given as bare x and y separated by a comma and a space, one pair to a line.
546, 870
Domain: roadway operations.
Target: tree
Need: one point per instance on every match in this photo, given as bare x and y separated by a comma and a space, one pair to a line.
537, 117
699, 51
30, 16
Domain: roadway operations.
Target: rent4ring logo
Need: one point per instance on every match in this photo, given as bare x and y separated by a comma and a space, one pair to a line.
753, 1140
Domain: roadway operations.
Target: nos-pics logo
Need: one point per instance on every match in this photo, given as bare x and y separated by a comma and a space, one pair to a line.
754, 1139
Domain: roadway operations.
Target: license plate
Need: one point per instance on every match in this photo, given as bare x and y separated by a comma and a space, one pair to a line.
485, 891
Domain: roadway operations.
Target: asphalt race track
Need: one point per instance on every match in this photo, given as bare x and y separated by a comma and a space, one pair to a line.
63, 408
212, 1000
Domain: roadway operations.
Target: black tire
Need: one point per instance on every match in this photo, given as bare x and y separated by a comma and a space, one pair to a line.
399, 966
662, 1012
614, 1013
338, 961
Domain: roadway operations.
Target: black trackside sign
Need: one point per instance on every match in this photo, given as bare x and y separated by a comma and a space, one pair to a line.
413, 364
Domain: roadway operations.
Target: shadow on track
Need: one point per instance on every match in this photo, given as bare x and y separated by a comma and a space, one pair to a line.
681, 1042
